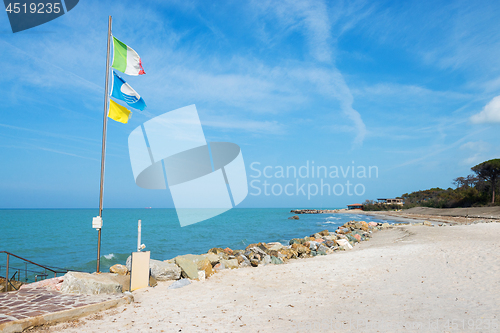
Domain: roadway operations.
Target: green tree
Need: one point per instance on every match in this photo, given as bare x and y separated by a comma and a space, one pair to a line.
489, 171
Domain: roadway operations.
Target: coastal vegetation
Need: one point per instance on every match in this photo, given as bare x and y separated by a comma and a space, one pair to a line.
476, 189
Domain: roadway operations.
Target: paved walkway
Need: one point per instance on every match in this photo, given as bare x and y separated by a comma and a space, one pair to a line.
32, 306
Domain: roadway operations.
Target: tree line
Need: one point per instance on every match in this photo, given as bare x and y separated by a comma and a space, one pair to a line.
476, 189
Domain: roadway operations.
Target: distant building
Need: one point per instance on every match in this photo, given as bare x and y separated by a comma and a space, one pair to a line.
390, 201
355, 206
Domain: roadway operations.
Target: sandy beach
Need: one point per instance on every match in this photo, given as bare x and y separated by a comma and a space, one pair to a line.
408, 278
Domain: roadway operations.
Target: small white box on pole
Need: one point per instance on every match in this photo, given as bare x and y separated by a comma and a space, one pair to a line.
97, 222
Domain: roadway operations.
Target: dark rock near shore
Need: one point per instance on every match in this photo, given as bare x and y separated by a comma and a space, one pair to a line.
322, 248
295, 217
216, 250
330, 243
119, 269
324, 233
296, 241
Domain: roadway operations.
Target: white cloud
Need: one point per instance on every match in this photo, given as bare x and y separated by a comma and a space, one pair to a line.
489, 114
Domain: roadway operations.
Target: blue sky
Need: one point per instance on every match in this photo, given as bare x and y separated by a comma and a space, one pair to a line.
406, 87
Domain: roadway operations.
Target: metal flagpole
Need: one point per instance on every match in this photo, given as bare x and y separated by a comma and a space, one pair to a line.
103, 153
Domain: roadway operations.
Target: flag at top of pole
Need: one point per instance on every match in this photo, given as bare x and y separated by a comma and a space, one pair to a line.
125, 59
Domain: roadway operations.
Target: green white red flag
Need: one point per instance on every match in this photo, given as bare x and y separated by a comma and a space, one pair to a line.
125, 59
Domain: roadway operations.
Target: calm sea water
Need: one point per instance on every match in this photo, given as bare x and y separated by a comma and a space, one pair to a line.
65, 238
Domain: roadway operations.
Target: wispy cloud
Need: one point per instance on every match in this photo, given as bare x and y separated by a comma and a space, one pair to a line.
252, 126
408, 91
51, 134
478, 149
313, 18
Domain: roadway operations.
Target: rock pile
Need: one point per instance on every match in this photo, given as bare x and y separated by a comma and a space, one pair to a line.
199, 267
314, 211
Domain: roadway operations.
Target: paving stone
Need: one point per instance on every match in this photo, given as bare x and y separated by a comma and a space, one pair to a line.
33, 302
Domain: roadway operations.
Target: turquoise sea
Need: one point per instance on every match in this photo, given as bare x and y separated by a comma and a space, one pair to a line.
65, 237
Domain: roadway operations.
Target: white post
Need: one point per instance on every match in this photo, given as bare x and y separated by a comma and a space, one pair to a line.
139, 236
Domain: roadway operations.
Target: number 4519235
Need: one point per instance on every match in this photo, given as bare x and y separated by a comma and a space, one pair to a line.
33, 8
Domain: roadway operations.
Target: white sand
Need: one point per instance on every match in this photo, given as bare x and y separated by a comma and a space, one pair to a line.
398, 280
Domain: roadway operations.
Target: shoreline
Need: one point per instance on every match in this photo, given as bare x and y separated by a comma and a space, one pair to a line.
421, 275
438, 215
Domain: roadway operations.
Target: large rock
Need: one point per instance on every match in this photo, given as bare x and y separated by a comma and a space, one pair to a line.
324, 233
119, 269
243, 261
188, 265
296, 241
288, 253
123, 280
301, 249
216, 250
352, 239
313, 245
275, 246
160, 270
231, 263
322, 249
365, 226
164, 271
179, 284
205, 266
258, 251
262, 246
276, 261
330, 243
214, 259
344, 244
89, 284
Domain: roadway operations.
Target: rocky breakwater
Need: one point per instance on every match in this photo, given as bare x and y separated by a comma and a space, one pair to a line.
185, 268
200, 267
314, 211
